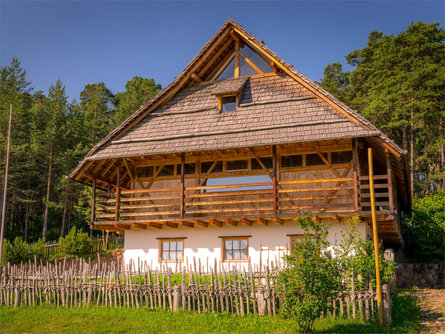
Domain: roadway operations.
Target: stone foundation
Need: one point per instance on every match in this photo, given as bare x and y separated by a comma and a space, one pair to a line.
421, 275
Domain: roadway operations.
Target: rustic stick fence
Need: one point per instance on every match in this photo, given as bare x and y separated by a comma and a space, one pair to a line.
53, 248
193, 288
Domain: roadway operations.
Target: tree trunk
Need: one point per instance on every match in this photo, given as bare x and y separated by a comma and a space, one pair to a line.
442, 154
48, 192
64, 216
411, 160
27, 209
404, 139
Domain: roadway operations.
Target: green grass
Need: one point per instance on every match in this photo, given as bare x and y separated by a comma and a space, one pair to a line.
43, 319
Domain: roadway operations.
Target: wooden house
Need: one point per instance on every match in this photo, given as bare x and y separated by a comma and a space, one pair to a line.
219, 163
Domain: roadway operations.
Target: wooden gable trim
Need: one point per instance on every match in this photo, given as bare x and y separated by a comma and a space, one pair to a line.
299, 80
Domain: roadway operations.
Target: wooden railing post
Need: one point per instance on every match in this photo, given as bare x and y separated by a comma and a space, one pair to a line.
93, 204
118, 192
390, 184
355, 176
182, 204
274, 179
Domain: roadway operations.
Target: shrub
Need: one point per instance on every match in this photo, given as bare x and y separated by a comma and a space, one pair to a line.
21, 251
311, 276
356, 256
428, 228
38, 250
76, 243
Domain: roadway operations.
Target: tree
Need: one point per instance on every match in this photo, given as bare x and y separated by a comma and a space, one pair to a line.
96, 106
311, 276
53, 135
138, 91
398, 84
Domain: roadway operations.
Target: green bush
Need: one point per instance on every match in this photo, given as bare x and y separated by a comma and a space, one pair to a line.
76, 243
356, 255
21, 251
311, 276
428, 228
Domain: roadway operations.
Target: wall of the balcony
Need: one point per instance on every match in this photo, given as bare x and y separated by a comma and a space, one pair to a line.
204, 243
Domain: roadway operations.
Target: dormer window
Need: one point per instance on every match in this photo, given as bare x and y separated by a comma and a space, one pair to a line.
228, 93
227, 103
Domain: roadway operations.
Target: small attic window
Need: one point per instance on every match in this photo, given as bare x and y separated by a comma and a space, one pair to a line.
227, 103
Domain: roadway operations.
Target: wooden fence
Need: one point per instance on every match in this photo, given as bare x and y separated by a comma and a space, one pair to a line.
53, 248
195, 289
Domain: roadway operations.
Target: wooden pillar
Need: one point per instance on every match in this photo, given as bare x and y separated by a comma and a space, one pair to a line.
118, 192
354, 173
390, 183
274, 179
93, 204
182, 199
375, 237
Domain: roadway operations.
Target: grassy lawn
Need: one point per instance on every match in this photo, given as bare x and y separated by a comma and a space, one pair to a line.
42, 319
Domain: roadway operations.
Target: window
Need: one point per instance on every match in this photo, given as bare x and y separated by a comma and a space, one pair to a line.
189, 168
144, 171
241, 180
315, 160
343, 157
228, 103
267, 162
205, 167
171, 250
236, 165
228, 71
250, 64
167, 170
295, 241
235, 248
292, 161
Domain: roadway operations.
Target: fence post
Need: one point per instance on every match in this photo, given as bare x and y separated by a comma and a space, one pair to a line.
176, 297
261, 301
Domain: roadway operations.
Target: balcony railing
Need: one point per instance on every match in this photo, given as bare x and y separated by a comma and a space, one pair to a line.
335, 196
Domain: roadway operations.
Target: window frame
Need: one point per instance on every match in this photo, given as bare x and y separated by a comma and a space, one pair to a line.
222, 97
293, 237
223, 248
161, 248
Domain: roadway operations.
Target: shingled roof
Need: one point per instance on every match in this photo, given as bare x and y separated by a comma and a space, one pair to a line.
282, 108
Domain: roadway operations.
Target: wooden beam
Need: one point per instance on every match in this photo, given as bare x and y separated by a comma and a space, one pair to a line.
261, 221
354, 173
390, 184
140, 226
277, 220
182, 186
248, 61
156, 225
201, 223
274, 67
216, 222
128, 169
215, 57
246, 221
274, 179
118, 193
230, 222
195, 78
171, 224
93, 203
187, 224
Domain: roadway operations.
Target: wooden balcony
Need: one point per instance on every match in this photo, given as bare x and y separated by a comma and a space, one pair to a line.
248, 203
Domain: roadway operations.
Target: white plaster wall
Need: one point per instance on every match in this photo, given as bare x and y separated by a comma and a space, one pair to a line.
204, 244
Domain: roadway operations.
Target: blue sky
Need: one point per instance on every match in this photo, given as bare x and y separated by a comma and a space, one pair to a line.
84, 42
